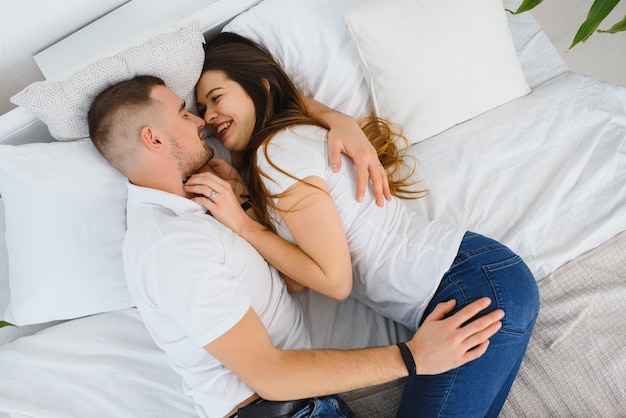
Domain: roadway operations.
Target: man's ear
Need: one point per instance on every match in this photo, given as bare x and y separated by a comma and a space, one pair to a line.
150, 138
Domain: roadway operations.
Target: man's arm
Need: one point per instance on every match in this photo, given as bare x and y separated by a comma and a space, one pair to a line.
345, 136
438, 346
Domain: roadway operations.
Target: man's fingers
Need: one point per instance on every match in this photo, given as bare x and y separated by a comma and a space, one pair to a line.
482, 334
475, 353
378, 184
441, 310
386, 191
362, 179
481, 329
334, 156
375, 174
470, 311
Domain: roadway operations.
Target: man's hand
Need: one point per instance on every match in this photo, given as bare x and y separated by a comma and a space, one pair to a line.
345, 136
442, 344
351, 141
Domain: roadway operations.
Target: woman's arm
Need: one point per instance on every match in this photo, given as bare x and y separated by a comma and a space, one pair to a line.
345, 136
321, 258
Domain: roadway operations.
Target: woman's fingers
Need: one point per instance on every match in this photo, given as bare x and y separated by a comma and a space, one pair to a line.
206, 178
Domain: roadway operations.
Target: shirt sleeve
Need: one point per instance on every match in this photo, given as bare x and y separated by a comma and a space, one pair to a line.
299, 151
191, 282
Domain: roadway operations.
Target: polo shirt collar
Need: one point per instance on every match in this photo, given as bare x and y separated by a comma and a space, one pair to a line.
138, 195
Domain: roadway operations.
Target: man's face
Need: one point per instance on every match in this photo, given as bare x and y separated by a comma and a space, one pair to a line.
183, 130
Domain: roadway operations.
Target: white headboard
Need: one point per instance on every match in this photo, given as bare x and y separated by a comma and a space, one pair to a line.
129, 20
19, 126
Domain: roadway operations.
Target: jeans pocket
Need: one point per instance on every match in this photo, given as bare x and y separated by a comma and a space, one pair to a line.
516, 293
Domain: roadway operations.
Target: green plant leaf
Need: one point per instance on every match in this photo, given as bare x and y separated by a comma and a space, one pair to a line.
6, 324
598, 11
618, 27
526, 6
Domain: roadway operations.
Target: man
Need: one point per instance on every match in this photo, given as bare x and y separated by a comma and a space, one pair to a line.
223, 316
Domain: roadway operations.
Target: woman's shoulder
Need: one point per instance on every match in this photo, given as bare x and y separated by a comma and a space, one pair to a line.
297, 149
308, 132
298, 139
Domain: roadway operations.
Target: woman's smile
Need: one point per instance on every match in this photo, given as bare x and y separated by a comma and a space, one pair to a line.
227, 109
222, 129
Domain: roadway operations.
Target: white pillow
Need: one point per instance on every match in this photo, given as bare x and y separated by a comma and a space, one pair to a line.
309, 41
174, 53
65, 209
431, 64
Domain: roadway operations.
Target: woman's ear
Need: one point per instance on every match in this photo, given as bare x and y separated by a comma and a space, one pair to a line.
266, 83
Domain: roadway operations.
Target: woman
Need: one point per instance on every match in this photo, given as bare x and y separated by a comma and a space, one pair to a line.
397, 262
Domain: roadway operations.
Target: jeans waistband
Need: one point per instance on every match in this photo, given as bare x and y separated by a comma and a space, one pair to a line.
270, 409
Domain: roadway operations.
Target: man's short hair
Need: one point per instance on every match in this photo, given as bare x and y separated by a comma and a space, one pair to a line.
117, 115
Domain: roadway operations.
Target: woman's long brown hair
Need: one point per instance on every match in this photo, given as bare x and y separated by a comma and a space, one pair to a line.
281, 106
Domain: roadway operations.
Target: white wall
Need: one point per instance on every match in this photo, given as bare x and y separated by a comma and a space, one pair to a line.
28, 26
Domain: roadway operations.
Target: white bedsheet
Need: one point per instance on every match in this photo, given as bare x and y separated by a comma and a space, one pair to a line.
109, 366
544, 174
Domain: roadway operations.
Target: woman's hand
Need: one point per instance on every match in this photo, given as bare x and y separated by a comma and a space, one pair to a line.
217, 195
227, 172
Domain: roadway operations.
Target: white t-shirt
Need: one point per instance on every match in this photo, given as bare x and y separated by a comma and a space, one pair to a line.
193, 279
398, 257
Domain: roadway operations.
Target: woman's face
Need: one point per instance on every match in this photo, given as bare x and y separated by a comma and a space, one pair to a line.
226, 108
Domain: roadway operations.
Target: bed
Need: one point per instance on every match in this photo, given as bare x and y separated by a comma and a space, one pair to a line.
509, 142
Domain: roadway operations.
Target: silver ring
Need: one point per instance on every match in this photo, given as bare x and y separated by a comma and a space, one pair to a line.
212, 196
379, 166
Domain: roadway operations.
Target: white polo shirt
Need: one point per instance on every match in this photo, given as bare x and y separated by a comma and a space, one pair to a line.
193, 279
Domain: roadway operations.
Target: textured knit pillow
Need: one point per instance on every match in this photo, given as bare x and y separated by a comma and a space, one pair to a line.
174, 53
431, 64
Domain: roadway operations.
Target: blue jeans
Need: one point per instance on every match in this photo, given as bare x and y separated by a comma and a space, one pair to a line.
331, 406
325, 407
482, 267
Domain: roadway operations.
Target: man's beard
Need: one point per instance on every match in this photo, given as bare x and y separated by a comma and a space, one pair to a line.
189, 163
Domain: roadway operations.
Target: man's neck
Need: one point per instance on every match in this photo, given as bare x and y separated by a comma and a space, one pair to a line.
161, 181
